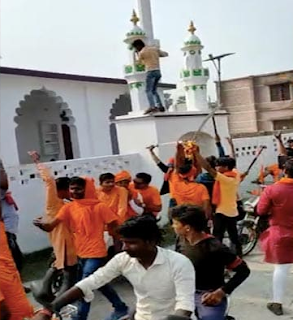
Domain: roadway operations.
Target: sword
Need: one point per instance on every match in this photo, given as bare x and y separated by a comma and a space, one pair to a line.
205, 120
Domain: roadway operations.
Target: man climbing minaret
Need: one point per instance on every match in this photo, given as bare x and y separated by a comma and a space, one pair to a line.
150, 57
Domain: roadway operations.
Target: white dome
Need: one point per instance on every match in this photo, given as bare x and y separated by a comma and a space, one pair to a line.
135, 31
192, 40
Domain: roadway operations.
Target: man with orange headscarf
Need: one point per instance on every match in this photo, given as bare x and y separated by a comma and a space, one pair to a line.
57, 193
87, 218
116, 198
271, 170
123, 179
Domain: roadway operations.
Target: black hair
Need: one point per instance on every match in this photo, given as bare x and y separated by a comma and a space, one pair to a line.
226, 162
142, 227
138, 43
185, 168
191, 215
145, 177
62, 183
106, 176
289, 168
78, 181
212, 160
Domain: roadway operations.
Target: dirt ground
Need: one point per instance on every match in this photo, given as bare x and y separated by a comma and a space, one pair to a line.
248, 302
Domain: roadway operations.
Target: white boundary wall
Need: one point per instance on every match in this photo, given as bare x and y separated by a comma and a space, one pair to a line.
29, 192
247, 147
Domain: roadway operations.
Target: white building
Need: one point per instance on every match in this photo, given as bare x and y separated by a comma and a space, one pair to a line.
63, 116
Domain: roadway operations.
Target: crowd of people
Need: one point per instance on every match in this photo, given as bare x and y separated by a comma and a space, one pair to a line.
204, 204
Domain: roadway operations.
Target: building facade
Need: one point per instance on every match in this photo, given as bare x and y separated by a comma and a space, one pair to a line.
62, 116
261, 103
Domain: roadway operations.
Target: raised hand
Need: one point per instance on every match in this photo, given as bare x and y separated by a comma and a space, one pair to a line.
217, 138
229, 140
278, 135
35, 156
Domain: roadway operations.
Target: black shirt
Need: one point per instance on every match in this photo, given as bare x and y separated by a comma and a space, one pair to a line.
210, 258
289, 152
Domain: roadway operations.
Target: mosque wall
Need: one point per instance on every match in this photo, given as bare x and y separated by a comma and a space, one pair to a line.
89, 105
29, 190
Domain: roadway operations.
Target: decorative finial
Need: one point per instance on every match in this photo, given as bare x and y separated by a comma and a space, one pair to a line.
134, 19
191, 28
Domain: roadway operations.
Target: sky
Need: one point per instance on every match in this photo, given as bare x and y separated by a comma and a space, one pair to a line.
86, 36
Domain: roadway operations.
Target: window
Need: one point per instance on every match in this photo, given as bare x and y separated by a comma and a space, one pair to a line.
280, 92
49, 138
283, 124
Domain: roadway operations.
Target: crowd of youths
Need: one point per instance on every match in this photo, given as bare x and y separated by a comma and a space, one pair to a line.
202, 207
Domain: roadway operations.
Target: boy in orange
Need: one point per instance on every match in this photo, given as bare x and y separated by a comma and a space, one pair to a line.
123, 179
57, 193
116, 198
152, 203
86, 217
184, 191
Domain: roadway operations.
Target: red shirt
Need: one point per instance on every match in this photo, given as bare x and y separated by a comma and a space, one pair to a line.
277, 200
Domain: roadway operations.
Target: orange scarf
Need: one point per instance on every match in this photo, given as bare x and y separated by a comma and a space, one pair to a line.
286, 180
216, 198
275, 171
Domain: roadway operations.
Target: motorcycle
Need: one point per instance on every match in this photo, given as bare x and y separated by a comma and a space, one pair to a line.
250, 228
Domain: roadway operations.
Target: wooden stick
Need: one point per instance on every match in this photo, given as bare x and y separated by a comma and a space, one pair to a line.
215, 126
255, 158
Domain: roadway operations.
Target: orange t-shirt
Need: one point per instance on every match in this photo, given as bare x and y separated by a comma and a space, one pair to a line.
116, 200
150, 195
87, 219
187, 192
5, 253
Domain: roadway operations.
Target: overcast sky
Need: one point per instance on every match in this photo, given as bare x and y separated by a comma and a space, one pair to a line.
86, 36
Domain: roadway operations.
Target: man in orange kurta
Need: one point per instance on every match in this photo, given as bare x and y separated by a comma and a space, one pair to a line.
86, 217
57, 193
189, 192
151, 203
10, 283
116, 198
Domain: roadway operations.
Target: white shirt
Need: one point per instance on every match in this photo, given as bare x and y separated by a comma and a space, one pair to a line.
166, 286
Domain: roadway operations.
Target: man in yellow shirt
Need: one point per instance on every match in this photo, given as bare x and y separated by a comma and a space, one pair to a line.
150, 57
224, 197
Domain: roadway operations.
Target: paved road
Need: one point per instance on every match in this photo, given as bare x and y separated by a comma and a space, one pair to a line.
247, 303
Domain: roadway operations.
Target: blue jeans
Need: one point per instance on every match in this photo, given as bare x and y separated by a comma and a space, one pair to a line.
87, 267
209, 312
152, 80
